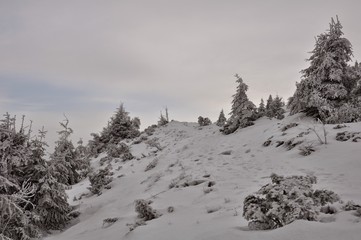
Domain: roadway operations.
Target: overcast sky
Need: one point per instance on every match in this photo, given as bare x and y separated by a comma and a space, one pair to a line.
83, 57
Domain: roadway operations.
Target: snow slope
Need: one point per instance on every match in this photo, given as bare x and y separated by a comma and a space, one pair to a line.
237, 165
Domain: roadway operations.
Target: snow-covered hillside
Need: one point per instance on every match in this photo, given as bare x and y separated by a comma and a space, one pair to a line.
221, 171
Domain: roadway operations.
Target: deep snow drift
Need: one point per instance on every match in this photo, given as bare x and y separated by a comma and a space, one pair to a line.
226, 168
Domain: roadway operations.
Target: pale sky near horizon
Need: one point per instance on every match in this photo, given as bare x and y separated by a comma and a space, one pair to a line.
84, 57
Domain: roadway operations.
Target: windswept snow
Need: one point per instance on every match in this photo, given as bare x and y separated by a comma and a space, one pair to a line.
221, 170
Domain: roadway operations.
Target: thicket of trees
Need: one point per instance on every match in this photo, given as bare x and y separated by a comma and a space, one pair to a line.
31, 199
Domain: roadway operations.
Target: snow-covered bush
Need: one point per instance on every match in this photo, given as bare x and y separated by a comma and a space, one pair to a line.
120, 150
288, 126
154, 143
115, 151
145, 211
204, 121
150, 130
151, 165
285, 200
306, 150
109, 221
163, 120
345, 136
221, 119
100, 180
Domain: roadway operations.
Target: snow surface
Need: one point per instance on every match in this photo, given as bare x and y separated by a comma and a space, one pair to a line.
238, 164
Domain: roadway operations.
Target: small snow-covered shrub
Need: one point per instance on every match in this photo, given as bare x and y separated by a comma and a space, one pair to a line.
170, 209
339, 126
350, 206
288, 126
285, 200
213, 209
100, 180
306, 150
328, 209
127, 156
345, 136
137, 223
116, 151
105, 160
109, 221
154, 143
279, 143
150, 130
290, 144
204, 121
151, 165
145, 212
267, 143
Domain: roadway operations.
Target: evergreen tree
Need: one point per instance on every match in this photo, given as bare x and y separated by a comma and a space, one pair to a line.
15, 189
276, 108
326, 88
50, 199
261, 109
52, 205
120, 127
64, 157
221, 119
81, 156
269, 103
243, 110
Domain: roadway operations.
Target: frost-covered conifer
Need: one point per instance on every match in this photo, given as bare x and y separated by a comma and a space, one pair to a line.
269, 102
16, 190
52, 205
50, 199
120, 127
326, 88
243, 110
261, 109
221, 119
82, 157
64, 158
275, 108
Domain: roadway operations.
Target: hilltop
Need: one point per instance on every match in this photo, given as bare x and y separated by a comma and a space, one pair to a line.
198, 178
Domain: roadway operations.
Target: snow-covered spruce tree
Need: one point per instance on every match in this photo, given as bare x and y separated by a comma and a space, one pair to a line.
15, 190
261, 109
326, 87
221, 119
64, 159
243, 111
275, 108
82, 157
99, 180
269, 103
120, 127
50, 200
